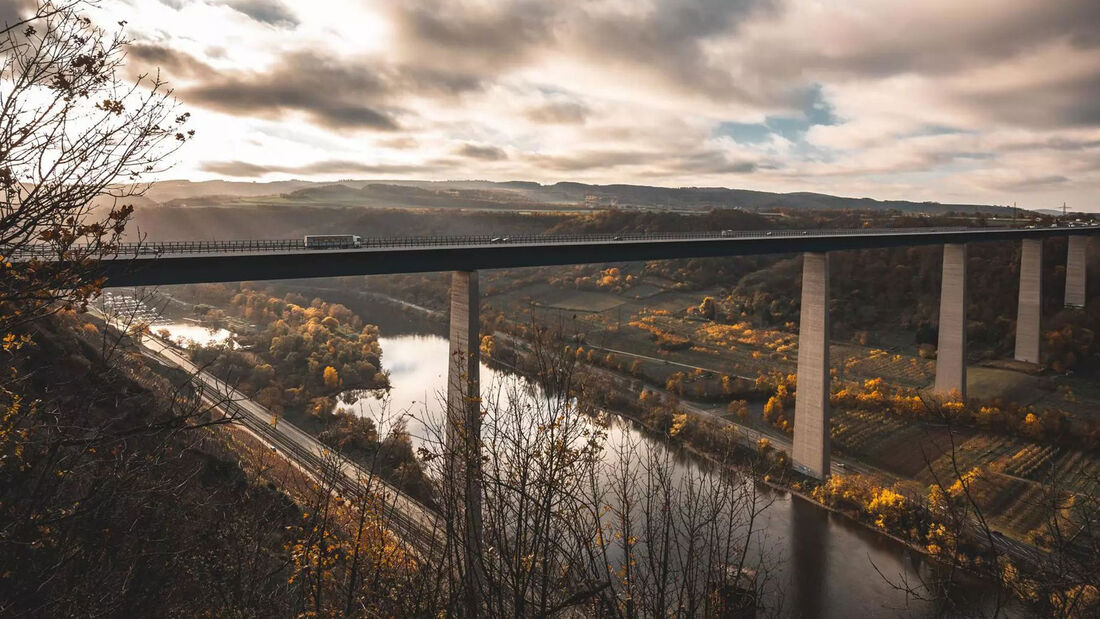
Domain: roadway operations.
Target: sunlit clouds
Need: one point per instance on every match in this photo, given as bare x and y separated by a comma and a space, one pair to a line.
989, 101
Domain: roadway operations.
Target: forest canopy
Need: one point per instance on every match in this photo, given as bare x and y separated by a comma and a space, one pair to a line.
301, 355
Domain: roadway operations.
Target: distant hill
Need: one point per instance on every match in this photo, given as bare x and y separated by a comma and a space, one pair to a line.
165, 191
402, 195
526, 195
721, 197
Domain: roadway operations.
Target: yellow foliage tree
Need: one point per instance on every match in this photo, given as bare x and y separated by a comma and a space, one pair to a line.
678, 422
331, 377
1032, 426
487, 346
763, 446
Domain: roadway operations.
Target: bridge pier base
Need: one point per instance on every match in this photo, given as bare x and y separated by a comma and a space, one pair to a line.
951, 351
463, 432
1029, 314
811, 421
1075, 271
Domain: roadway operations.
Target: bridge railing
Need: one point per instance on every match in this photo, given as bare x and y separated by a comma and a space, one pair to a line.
296, 245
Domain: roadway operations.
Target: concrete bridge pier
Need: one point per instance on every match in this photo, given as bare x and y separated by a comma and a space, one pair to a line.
463, 435
811, 421
1075, 271
951, 351
1029, 314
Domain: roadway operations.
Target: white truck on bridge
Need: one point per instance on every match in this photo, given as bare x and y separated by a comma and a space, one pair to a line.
333, 241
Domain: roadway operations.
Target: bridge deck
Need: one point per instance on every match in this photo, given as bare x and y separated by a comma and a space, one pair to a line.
185, 262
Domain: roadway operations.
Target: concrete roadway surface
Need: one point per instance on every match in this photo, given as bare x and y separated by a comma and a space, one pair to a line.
300, 246
409, 519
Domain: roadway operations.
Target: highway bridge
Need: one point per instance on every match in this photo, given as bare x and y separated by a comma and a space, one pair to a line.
184, 262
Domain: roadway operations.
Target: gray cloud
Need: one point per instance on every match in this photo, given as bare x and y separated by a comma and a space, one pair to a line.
939, 42
336, 93
485, 153
710, 162
452, 48
234, 168
668, 41
144, 56
670, 163
1057, 143
704, 161
331, 93
12, 11
665, 41
1035, 182
272, 99
271, 12
331, 166
586, 160
943, 43
485, 37
558, 112
1069, 101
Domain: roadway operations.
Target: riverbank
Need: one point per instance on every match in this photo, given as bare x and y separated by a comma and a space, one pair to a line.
882, 510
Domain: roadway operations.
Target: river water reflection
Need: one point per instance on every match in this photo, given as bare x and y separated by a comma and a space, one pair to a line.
186, 333
826, 566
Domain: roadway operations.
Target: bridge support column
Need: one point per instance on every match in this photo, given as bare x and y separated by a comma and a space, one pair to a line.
951, 351
1075, 271
463, 436
1029, 314
811, 412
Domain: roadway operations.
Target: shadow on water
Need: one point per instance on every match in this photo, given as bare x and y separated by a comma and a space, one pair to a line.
809, 556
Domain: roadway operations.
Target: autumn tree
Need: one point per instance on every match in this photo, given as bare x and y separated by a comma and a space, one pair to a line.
707, 308
295, 349
90, 437
740, 408
331, 377
76, 140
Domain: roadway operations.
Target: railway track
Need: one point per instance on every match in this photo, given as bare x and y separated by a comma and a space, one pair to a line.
413, 522
419, 526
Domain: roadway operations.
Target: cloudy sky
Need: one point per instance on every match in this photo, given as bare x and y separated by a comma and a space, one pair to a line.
989, 101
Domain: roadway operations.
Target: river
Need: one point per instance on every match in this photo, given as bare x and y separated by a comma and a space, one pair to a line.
825, 564
186, 333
